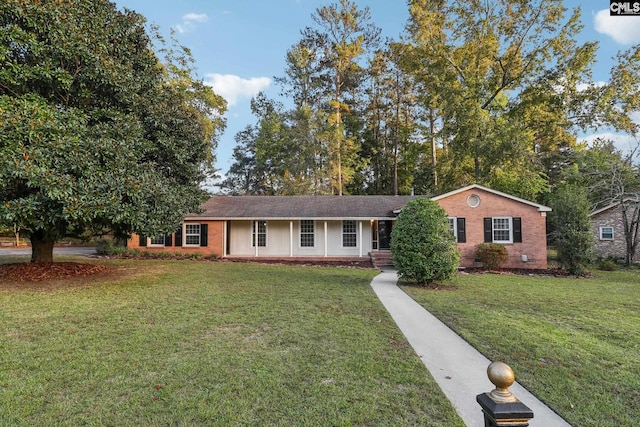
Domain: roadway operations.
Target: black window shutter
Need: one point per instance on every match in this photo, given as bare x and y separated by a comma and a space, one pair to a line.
517, 230
143, 241
488, 230
462, 230
179, 236
204, 233
167, 240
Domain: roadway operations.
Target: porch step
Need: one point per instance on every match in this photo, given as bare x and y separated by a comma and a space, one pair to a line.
381, 259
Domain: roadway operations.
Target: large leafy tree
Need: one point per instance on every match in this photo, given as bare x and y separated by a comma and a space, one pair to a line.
314, 148
344, 34
97, 134
389, 147
475, 60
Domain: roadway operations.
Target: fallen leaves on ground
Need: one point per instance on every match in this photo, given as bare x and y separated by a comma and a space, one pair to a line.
39, 271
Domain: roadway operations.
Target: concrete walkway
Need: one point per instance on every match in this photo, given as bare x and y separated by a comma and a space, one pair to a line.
459, 369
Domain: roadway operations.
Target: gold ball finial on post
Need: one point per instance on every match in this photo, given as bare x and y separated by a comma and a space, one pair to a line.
502, 376
500, 407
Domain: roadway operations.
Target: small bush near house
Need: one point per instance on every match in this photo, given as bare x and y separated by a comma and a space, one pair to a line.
491, 255
607, 264
109, 247
118, 250
424, 249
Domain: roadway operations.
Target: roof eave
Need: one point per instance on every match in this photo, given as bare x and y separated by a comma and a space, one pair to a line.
289, 218
541, 208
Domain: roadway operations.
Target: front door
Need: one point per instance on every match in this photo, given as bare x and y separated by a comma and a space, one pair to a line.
384, 235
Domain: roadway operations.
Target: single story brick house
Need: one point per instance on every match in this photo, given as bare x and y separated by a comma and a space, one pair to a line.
608, 232
351, 228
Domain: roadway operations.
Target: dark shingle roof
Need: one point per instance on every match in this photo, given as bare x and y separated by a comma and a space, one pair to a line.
294, 207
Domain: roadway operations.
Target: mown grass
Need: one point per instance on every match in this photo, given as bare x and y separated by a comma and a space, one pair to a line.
574, 343
198, 343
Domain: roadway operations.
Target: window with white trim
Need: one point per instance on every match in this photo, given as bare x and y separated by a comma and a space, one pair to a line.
307, 233
498, 229
502, 230
260, 233
192, 235
606, 233
453, 225
157, 240
349, 234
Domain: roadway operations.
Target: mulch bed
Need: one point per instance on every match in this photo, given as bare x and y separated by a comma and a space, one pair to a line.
39, 271
553, 272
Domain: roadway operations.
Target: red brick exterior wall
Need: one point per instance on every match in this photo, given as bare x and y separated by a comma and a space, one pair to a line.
534, 229
215, 241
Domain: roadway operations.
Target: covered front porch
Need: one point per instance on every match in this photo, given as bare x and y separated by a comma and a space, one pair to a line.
308, 239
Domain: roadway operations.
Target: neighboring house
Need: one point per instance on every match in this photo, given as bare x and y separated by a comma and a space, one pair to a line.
351, 228
608, 232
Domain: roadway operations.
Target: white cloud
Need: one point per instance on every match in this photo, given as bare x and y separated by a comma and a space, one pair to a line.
625, 143
584, 86
190, 21
232, 87
195, 17
623, 29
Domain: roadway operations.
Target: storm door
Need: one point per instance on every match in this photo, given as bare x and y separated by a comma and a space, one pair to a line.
384, 235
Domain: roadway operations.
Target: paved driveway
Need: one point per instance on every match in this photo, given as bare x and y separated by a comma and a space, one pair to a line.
63, 250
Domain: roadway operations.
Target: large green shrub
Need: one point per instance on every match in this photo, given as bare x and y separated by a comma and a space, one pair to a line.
571, 225
491, 255
424, 249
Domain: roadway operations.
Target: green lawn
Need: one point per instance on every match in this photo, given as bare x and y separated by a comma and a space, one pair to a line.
574, 343
168, 343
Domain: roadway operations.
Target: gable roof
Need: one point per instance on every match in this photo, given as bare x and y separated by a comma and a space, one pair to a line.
541, 208
297, 207
614, 205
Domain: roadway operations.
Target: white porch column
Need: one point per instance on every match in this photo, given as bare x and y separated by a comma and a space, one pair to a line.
326, 233
255, 235
290, 238
225, 250
360, 230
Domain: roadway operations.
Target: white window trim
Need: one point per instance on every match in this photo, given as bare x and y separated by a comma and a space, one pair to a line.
510, 229
355, 232
300, 233
455, 225
613, 234
254, 242
155, 245
184, 235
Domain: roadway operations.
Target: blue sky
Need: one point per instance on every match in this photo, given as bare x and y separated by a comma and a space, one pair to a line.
240, 45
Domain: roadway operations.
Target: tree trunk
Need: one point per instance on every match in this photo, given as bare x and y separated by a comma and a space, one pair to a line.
41, 247
476, 157
16, 231
434, 156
